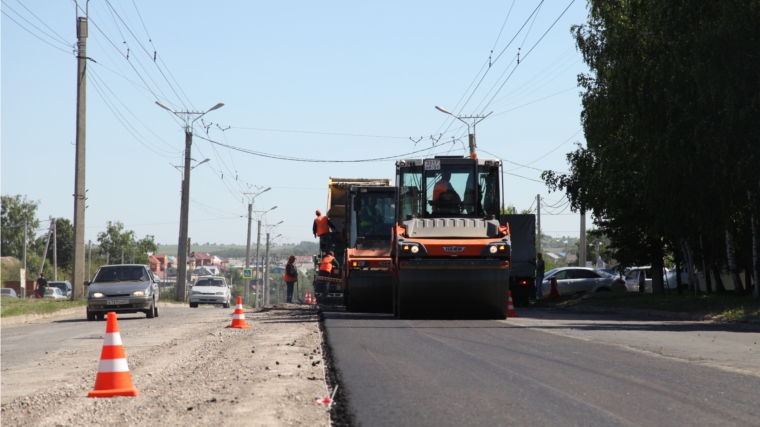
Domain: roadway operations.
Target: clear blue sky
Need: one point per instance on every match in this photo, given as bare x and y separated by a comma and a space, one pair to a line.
306, 72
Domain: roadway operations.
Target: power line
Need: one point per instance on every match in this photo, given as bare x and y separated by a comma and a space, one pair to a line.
35, 35
60, 39
523, 177
320, 133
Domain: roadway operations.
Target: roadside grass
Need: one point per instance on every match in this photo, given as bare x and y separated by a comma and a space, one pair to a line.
728, 306
16, 307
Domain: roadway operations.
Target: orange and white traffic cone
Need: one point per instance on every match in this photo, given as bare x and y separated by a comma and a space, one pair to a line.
307, 298
113, 372
511, 307
238, 317
554, 293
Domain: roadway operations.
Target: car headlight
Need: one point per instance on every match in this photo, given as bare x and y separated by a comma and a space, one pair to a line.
96, 295
415, 249
195, 293
493, 249
138, 293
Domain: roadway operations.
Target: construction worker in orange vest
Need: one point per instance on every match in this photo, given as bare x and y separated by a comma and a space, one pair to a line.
325, 269
444, 187
321, 229
290, 276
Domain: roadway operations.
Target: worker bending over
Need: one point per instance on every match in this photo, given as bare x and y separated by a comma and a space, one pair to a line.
325, 269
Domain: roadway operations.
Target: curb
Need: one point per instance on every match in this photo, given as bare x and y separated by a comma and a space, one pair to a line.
60, 314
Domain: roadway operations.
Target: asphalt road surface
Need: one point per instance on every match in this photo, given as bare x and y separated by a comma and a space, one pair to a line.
544, 370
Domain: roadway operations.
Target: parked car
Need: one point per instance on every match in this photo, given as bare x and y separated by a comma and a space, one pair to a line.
125, 288
64, 286
53, 293
8, 292
632, 279
210, 290
572, 280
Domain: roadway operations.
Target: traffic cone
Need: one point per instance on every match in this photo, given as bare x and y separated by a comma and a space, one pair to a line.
113, 372
511, 308
307, 298
554, 293
238, 317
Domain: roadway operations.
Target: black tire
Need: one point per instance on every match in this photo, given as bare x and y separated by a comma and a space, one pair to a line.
101, 317
90, 316
604, 290
193, 305
226, 305
155, 310
151, 311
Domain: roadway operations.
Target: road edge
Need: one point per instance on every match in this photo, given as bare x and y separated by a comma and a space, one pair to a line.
341, 414
23, 319
659, 314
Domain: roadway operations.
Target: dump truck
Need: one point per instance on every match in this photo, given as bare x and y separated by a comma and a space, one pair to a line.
367, 280
522, 229
331, 290
450, 254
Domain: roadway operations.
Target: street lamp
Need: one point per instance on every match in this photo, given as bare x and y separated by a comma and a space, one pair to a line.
248, 242
202, 162
182, 249
266, 265
475, 120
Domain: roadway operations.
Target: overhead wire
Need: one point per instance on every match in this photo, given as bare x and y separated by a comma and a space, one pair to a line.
60, 39
35, 35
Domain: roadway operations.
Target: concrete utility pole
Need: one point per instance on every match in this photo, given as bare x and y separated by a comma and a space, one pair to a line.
582, 241
55, 251
77, 266
47, 244
259, 292
182, 247
266, 274
471, 132
122, 256
538, 217
248, 254
89, 260
23, 285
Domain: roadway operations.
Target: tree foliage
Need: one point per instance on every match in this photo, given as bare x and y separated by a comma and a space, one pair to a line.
16, 209
115, 241
670, 115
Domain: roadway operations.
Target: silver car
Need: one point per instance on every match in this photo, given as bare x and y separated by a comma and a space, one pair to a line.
210, 290
126, 288
571, 280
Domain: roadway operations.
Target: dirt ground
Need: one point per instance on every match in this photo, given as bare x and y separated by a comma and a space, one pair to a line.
205, 375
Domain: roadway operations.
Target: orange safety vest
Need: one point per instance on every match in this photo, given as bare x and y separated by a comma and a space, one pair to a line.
440, 188
322, 226
287, 277
327, 264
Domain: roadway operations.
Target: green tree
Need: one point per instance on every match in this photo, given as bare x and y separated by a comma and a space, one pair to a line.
115, 241
14, 210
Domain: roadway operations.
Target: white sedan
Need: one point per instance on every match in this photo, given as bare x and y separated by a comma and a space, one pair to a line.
210, 290
54, 293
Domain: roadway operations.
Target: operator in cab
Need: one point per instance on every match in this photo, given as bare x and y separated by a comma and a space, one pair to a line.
445, 198
370, 215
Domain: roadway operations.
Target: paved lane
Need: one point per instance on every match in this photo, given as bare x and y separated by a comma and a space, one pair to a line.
495, 373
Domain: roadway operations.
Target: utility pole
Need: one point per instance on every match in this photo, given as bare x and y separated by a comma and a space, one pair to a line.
77, 267
55, 251
248, 255
47, 244
89, 260
182, 247
108, 256
471, 132
582, 241
23, 285
258, 265
538, 217
266, 274
122, 256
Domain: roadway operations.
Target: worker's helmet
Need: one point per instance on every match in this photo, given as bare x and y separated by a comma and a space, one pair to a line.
292, 258
319, 212
331, 253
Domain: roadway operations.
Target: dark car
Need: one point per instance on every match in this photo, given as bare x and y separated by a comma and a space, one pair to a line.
64, 286
122, 288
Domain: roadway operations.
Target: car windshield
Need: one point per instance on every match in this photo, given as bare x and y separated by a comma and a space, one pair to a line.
121, 274
6, 291
210, 282
373, 214
604, 273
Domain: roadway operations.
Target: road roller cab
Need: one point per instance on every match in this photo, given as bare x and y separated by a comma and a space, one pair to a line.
451, 256
367, 277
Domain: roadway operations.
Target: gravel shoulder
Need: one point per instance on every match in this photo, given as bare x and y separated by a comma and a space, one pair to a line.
189, 369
